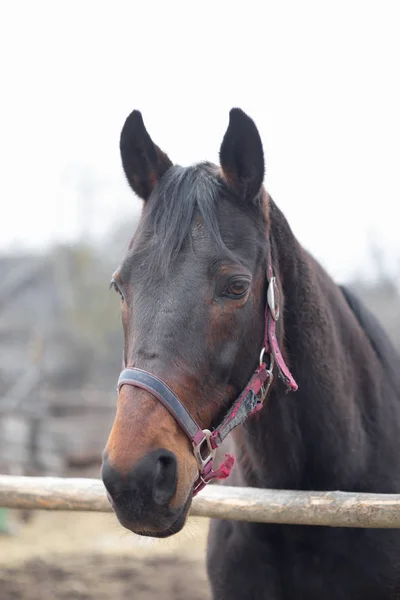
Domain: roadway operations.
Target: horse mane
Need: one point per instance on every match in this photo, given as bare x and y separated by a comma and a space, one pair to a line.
378, 338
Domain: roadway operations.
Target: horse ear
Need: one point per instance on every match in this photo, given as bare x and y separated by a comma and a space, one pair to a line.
241, 155
143, 162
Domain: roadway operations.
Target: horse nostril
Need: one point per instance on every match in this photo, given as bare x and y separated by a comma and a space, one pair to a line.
152, 481
165, 479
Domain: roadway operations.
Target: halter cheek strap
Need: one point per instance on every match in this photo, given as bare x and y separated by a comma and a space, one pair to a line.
250, 401
271, 345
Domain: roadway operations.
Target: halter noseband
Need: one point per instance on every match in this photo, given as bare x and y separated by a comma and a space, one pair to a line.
250, 401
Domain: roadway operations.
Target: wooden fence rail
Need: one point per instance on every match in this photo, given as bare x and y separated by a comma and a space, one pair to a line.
334, 509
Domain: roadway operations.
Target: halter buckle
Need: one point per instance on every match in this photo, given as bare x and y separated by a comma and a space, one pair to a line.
272, 299
200, 447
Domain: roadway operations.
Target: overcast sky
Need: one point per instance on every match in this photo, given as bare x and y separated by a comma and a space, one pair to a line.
320, 79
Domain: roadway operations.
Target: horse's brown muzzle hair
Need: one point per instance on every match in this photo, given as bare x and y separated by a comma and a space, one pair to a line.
148, 466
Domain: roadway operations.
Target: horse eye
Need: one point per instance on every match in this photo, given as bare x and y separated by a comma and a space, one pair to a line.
237, 289
114, 285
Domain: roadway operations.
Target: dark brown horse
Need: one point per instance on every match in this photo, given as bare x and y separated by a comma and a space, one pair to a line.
214, 276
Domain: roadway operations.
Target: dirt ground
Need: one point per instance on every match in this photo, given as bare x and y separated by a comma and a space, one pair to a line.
85, 556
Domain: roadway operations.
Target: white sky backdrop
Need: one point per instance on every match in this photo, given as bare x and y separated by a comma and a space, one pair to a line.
321, 80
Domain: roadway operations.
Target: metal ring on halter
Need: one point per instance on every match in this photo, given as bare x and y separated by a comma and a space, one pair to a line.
265, 388
271, 360
262, 356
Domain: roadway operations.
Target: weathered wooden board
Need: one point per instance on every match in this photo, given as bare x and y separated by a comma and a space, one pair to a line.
334, 509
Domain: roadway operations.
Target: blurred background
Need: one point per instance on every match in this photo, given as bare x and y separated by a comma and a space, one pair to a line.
321, 82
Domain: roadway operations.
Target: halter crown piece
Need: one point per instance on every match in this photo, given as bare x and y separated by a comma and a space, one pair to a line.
249, 402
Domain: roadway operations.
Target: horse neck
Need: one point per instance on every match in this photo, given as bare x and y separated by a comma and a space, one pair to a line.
303, 440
